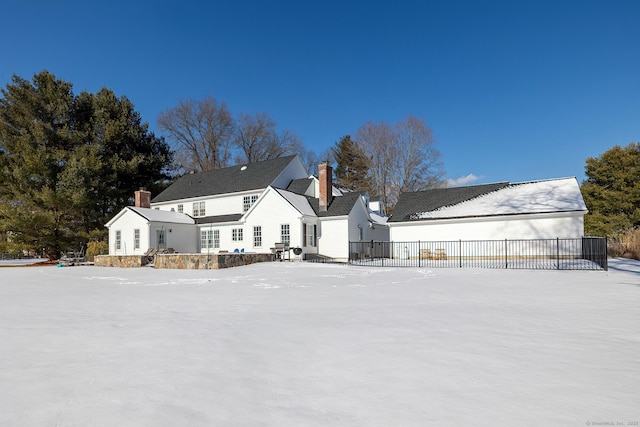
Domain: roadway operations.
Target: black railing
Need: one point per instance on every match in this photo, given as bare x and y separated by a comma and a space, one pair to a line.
586, 253
321, 259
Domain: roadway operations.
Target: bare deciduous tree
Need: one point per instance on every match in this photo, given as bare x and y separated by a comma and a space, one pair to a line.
402, 158
377, 141
419, 165
257, 139
201, 131
310, 159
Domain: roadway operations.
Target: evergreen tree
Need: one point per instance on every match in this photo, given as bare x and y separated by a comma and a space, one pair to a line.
352, 165
68, 163
612, 191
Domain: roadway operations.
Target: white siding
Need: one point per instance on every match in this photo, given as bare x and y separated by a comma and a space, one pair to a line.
294, 170
226, 241
128, 222
225, 204
180, 237
337, 232
535, 226
270, 212
333, 238
378, 233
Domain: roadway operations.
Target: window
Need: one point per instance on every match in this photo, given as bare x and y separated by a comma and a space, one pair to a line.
206, 239
284, 234
237, 235
118, 239
203, 239
248, 201
209, 239
257, 236
136, 238
180, 208
198, 209
310, 235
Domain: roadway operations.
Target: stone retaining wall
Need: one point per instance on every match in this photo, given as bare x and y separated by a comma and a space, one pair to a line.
210, 262
183, 261
126, 261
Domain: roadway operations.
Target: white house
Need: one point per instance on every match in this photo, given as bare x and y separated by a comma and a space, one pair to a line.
545, 209
134, 230
248, 208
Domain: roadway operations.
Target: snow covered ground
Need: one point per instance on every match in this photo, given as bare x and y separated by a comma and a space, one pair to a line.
296, 344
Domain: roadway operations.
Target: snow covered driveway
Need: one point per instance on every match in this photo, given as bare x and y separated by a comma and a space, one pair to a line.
295, 344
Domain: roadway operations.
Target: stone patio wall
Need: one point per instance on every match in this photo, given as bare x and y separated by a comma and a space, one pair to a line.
183, 261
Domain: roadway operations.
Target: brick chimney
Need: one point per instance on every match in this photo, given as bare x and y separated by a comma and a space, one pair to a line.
325, 173
143, 198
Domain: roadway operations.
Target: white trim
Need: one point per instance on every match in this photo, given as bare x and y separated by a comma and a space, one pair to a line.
487, 218
206, 198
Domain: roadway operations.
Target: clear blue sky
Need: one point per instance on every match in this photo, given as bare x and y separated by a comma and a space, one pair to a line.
513, 90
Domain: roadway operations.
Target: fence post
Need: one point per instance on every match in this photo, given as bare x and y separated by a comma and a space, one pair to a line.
506, 254
558, 252
419, 255
460, 252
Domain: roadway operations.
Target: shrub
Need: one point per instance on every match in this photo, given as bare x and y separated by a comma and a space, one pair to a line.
96, 248
625, 245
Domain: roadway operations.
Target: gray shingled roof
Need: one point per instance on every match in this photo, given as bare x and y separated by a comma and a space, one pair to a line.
233, 179
218, 218
299, 186
429, 200
339, 206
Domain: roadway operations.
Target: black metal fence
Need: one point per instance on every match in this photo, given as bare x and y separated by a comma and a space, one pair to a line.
586, 253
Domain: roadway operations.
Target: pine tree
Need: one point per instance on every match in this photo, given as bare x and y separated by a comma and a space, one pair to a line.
68, 163
352, 165
612, 191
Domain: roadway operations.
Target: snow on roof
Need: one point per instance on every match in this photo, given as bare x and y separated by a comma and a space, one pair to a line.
301, 203
157, 215
377, 218
554, 195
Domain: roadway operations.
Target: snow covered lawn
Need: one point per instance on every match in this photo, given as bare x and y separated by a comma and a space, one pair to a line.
296, 344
